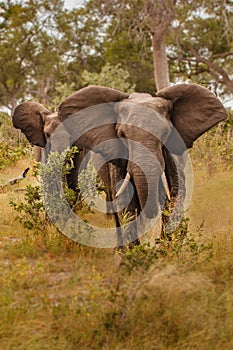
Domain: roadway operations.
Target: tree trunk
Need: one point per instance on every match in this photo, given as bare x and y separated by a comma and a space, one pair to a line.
12, 101
161, 71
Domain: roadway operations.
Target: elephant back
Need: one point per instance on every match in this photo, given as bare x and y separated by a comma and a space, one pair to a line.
87, 97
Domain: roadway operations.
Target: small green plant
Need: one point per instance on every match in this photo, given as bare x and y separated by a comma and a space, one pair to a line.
56, 194
139, 258
10, 154
31, 211
44, 204
13, 145
185, 244
180, 243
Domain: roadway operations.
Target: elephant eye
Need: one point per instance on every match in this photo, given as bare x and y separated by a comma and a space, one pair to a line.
47, 135
120, 133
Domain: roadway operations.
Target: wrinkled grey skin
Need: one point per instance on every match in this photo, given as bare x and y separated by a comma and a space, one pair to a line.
188, 108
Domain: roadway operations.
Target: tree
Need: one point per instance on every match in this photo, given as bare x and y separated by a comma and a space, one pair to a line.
43, 45
114, 77
133, 54
28, 52
159, 16
196, 37
201, 43
16, 51
144, 19
81, 33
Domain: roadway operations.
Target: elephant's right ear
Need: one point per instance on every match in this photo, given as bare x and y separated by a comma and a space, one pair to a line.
29, 118
87, 97
195, 110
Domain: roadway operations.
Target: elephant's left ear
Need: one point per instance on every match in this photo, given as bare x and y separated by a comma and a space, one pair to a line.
195, 110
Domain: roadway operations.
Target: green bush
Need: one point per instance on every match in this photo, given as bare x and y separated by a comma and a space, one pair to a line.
31, 212
13, 144
9, 154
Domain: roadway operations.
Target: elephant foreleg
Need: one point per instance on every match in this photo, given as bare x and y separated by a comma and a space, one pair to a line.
174, 169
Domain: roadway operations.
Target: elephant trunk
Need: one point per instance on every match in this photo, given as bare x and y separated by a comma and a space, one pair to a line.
147, 187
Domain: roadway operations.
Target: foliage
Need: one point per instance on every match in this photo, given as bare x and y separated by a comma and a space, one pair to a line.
13, 145
200, 44
185, 243
181, 243
50, 47
111, 76
9, 154
62, 90
133, 53
23, 28
56, 47
31, 211
38, 200
141, 261
139, 258
43, 204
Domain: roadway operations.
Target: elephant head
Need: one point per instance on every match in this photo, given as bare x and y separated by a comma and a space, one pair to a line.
30, 117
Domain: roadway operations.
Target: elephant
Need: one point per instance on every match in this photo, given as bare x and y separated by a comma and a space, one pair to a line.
142, 140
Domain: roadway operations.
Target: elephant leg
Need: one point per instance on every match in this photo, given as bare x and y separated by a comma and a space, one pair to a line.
38, 153
125, 207
111, 173
104, 174
174, 169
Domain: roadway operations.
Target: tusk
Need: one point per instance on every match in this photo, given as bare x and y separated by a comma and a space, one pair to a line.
124, 185
165, 185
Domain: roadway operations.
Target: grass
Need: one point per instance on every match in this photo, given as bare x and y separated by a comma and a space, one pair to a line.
212, 200
58, 295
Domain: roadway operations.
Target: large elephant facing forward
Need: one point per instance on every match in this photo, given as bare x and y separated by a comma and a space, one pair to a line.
139, 138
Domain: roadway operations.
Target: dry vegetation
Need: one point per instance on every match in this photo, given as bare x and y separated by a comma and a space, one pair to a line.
58, 295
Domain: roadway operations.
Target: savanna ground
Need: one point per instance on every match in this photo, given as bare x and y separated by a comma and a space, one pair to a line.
58, 295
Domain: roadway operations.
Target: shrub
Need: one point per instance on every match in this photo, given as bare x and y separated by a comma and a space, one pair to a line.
13, 145
31, 212
10, 154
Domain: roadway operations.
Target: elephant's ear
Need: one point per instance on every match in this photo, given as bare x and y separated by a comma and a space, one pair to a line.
195, 110
29, 118
87, 97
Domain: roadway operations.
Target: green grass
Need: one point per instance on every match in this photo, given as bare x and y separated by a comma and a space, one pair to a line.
58, 295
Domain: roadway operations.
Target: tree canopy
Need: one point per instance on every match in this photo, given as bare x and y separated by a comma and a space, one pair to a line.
47, 50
